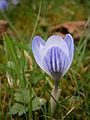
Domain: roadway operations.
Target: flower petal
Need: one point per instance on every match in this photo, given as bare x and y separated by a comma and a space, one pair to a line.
36, 48
55, 61
58, 42
70, 43
55, 56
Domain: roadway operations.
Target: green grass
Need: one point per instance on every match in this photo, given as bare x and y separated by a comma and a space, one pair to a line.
25, 90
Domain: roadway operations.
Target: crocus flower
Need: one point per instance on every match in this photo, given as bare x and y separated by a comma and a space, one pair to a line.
55, 55
3, 5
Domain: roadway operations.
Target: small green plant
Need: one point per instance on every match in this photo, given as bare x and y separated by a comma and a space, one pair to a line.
21, 78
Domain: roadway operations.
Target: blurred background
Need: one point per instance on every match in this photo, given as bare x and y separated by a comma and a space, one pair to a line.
21, 16
21, 20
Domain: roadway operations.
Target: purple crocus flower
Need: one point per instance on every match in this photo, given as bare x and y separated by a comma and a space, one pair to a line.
3, 4
54, 56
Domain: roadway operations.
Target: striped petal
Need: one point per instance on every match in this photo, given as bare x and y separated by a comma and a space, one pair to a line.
55, 62
58, 42
55, 56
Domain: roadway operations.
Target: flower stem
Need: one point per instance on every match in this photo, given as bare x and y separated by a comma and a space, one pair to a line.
54, 97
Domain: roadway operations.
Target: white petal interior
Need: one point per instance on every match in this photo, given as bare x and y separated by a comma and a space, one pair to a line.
56, 41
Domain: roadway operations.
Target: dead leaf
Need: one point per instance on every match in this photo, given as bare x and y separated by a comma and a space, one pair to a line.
75, 28
3, 26
3, 29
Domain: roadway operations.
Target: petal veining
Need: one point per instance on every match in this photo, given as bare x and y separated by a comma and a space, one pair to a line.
55, 61
55, 56
58, 42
